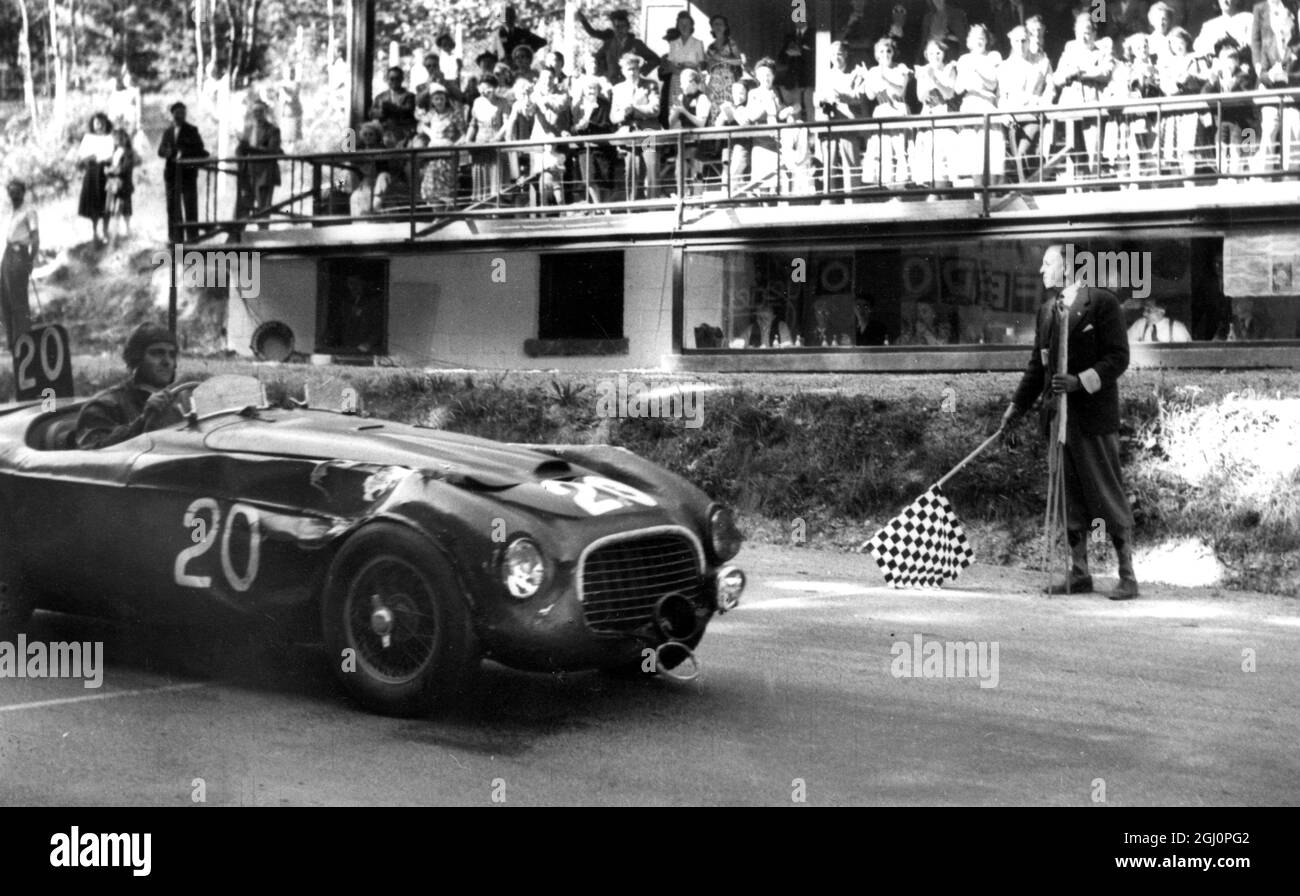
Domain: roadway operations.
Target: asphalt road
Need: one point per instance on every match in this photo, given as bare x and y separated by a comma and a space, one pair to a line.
1139, 703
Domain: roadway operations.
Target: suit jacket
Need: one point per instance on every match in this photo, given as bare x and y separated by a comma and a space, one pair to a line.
1290, 62
1261, 32
189, 145
1098, 342
1120, 23
260, 174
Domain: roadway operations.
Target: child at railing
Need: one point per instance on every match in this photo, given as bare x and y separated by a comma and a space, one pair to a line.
1228, 74
936, 84
886, 85
1180, 75
798, 161
734, 112
441, 125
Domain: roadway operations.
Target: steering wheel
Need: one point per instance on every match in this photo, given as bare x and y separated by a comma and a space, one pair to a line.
181, 390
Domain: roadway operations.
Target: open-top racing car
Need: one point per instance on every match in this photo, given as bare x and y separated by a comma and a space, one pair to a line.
412, 553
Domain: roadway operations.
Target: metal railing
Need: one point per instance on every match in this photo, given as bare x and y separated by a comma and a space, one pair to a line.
822, 162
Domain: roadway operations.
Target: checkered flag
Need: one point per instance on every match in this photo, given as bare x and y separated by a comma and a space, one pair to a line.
925, 545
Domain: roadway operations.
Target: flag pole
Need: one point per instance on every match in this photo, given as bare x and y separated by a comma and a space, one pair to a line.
970, 457
1055, 516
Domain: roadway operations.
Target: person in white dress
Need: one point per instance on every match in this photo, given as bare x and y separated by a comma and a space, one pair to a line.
936, 87
685, 51
886, 85
1181, 74
1083, 72
1234, 20
1022, 84
977, 82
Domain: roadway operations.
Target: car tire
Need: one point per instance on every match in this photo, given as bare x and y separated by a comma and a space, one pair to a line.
16, 606
397, 625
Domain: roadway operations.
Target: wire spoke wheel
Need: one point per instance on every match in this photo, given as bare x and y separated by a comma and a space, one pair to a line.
397, 624
392, 619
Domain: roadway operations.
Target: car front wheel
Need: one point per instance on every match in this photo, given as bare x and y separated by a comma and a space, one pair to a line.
397, 625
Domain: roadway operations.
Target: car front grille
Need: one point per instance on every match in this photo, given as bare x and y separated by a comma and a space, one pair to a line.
623, 580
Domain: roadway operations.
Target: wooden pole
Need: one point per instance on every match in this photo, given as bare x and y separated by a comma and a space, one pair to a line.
1056, 509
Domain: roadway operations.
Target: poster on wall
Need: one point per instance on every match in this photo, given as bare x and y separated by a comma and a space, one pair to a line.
1261, 264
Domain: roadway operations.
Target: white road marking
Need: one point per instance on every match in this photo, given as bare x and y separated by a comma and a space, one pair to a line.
41, 704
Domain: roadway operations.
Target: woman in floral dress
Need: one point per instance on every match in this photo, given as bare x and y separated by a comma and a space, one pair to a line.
724, 60
444, 126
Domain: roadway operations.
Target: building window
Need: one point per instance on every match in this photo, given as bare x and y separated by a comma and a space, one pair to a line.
352, 308
581, 297
977, 291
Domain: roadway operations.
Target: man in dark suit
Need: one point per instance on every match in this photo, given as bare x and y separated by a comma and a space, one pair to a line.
181, 141
1261, 29
1125, 18
1097, 349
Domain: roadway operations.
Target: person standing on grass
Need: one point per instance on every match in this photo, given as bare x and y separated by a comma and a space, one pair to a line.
121, 185
93, 156
1097, 354
22, 237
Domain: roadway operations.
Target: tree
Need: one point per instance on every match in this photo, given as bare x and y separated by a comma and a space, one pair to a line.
25, 62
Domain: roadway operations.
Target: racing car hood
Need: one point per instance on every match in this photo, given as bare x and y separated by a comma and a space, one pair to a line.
461, 459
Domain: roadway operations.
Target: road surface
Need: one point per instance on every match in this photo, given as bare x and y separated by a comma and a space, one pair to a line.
1183, 697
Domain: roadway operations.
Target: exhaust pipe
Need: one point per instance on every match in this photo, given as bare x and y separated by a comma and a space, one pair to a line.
677, 622
679, 656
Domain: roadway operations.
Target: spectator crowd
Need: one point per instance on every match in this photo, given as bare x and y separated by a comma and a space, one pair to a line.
1057, 78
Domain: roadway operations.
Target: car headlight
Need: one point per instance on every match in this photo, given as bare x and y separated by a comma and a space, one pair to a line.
523, 568
723, 534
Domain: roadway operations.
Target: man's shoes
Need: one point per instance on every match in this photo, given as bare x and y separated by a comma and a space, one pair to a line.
1077, 580
1127, 589
1070, 585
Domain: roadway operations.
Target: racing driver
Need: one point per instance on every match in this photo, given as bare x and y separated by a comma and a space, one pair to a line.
141, 402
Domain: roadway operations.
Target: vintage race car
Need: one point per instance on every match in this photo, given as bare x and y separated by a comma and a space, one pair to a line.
411, 553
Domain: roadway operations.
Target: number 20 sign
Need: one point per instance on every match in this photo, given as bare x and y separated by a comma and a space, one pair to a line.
42, 361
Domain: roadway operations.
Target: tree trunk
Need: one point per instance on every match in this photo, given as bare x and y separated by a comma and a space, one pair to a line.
329, 54
212, 33
25, 63
201, 72
72, 42
233, 35
59, 73
252, 10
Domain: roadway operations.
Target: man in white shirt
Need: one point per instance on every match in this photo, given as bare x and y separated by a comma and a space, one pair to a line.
1230, 23
1156, 326
22, 242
